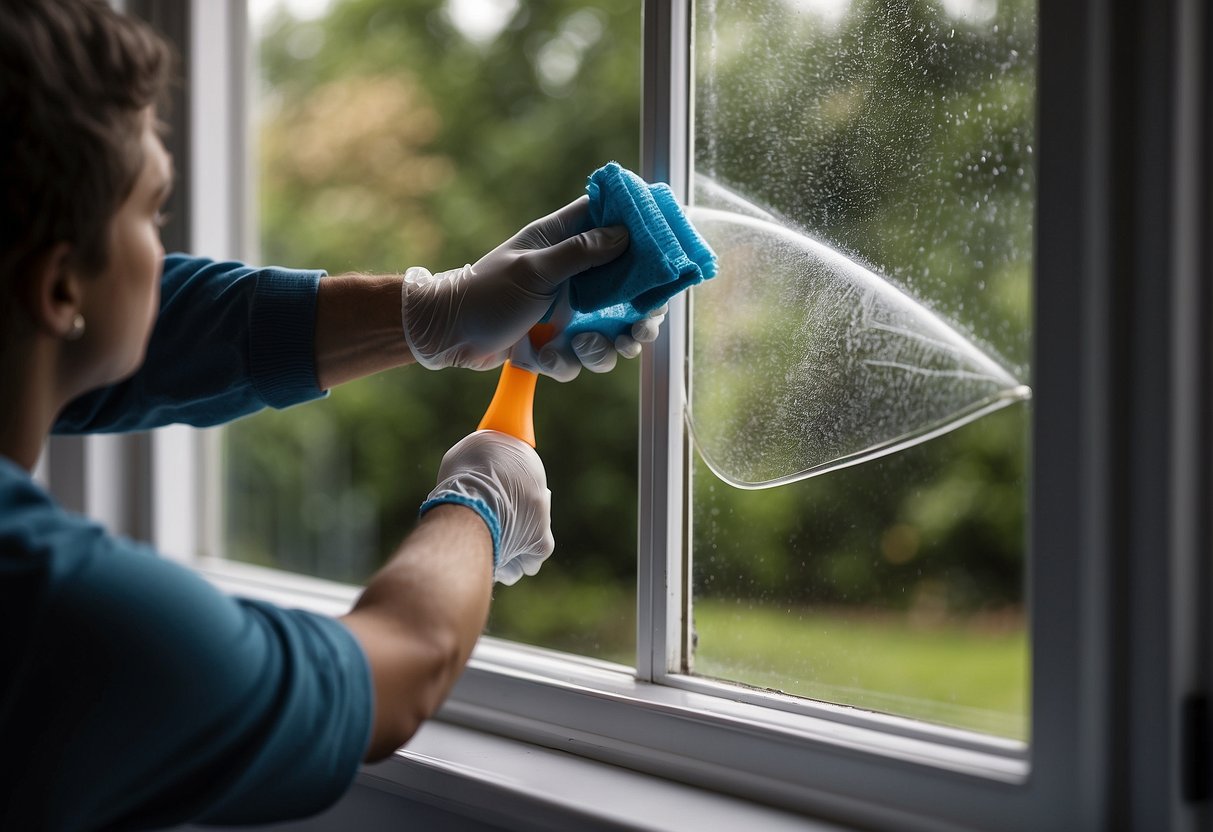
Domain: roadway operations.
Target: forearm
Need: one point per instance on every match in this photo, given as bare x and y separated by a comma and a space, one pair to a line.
358, 327
419, 618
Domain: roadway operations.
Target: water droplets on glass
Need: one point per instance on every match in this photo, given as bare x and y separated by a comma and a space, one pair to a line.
866, 172
805, 361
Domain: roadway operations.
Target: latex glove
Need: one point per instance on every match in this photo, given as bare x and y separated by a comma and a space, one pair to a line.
471, 317
502, 479
563, 357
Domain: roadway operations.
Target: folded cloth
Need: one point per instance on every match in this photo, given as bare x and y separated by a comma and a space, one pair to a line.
665, 256
612, 321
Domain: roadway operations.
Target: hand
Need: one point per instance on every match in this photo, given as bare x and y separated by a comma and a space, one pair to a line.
471, 317
563, 357
502, 479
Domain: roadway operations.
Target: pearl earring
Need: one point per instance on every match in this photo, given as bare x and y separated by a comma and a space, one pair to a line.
77, 330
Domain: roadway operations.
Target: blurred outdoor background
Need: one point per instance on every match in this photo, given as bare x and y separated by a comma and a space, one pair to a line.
391, 133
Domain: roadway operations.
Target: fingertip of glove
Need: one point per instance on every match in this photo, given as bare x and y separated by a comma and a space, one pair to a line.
585, 341
506, 576
553, 364
627, 347
645, 331
595, 351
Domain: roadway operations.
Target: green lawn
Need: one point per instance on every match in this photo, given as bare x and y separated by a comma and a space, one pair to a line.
968, 674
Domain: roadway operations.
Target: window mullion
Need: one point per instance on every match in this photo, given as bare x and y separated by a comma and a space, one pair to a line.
661, 574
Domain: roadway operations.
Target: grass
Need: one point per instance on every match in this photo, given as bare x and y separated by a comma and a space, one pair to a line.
970, 673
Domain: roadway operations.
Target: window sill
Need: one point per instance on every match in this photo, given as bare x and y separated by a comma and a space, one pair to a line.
511, 784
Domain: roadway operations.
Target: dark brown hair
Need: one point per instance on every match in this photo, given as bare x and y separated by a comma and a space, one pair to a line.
75, 78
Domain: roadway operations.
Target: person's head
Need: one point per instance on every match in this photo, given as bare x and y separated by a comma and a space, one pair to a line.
82, 176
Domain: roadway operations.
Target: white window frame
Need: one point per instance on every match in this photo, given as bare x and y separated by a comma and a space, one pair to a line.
1119, 581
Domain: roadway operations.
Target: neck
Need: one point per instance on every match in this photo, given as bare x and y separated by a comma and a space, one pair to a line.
29, 381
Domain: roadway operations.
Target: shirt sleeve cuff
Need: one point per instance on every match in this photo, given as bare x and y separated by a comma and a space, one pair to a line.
282, 342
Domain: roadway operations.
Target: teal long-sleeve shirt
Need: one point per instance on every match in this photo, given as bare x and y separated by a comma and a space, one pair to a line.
133, 694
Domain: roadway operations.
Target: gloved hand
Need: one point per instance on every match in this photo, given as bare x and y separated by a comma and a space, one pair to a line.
471, 317
563, 357
502, 479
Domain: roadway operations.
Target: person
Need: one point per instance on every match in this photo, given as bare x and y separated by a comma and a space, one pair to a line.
133, 694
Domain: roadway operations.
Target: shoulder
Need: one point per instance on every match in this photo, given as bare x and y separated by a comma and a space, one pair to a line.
179, 265
36, 533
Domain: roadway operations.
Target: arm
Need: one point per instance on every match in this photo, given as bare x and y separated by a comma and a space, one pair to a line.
229, 340
358, 328
488, 516
419, 618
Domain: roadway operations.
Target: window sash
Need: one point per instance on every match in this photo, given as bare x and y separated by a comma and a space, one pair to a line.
1120, 547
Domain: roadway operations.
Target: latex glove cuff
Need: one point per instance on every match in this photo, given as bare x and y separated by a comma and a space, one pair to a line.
422, 296
502, 479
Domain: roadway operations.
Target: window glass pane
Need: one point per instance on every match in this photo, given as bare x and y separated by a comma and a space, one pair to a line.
892, 144
390, 134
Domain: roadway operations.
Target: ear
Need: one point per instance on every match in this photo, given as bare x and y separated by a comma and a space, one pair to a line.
52, 294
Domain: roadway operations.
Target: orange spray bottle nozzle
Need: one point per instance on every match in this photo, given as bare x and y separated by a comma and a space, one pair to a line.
512, 409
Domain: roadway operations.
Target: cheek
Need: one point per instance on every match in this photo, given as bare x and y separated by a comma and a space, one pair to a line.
153, 309
151, 296
142, 269
151, 261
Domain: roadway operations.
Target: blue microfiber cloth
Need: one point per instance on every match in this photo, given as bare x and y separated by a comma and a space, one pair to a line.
611, 322
665, 255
